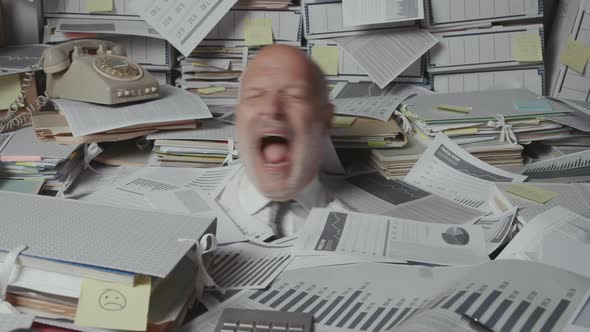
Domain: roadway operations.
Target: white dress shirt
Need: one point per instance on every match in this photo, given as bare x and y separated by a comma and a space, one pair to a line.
255, 214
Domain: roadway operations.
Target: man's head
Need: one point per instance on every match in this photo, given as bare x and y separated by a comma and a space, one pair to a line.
283, 117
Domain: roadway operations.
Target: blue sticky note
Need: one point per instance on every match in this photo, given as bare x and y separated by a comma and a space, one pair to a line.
532, 105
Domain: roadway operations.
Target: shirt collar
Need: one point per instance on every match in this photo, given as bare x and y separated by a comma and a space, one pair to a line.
252, 200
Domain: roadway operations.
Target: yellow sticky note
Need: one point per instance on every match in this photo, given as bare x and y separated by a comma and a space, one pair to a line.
575, 55
461, 131
114, 306
343, 121
531, 192
527, 47
258, 31
211, 90
462, 109
94, 6
9, 90
327, 58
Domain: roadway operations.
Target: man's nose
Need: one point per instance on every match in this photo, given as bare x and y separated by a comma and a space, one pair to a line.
273, 107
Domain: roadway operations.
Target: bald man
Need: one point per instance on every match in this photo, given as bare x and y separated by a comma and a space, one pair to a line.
282, 119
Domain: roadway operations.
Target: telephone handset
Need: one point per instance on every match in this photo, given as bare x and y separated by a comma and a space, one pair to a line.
96, 71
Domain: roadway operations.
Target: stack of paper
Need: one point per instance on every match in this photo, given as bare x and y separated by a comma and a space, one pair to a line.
79, 122
207, 146
104, 274
22, 156
367, 133
396, 163
213, 73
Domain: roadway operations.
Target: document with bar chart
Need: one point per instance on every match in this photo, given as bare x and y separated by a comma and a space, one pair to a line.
382, 238
447, 170
248, 266
387, 297
573, 167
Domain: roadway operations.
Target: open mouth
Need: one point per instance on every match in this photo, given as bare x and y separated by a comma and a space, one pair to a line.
274, 149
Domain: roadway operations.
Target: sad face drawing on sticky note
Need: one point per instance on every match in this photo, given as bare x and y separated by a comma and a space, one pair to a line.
112, 300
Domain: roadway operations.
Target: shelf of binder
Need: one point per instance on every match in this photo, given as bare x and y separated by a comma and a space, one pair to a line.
480, 59
565, 81
445, 13
229, 31
349, 70
323, 19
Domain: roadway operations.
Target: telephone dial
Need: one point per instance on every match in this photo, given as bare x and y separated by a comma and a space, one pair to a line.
96, 71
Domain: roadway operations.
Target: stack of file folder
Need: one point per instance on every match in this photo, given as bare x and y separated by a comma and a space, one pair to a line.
24, 157
207, 146
104, 273
397, 163
516, 115
213, 73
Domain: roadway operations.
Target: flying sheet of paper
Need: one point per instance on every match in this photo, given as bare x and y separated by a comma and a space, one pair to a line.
575, 55
527, 47
380, 108
184, 23
94, 6
550, 237
114, 306
327, 58
449, 171
384, 55
247, 265
382, 238
363, 12
258, 31
174, 105
573, 196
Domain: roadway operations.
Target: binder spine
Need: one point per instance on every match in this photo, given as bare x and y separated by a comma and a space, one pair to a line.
430, 15
542, 35
306, 19
541, 7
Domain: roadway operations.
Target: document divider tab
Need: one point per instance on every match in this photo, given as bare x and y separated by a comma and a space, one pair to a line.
100, 236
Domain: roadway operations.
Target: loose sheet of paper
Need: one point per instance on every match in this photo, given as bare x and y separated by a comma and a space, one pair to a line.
142, 188
114, 306
552, 236
247, 265
381, 238
363, 12
527, 47
576, 55
184, 23
571, 167
371, 193
497, 229
174, 104
449, 171
385, 55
